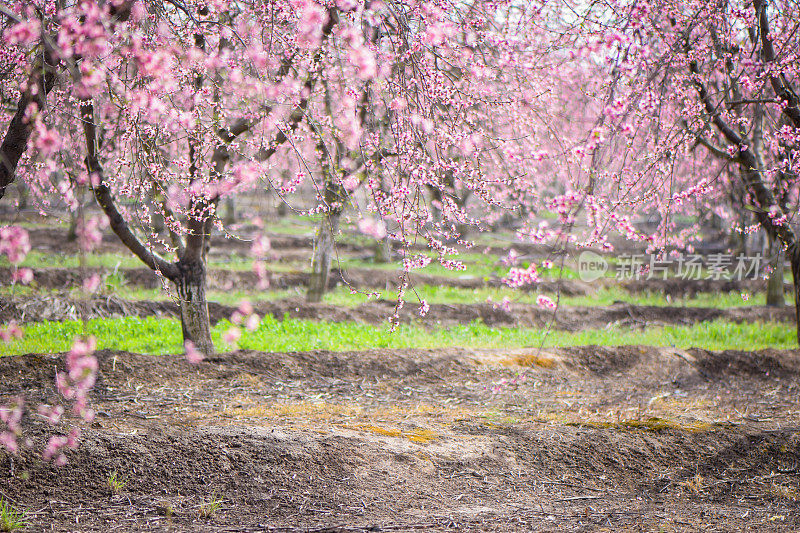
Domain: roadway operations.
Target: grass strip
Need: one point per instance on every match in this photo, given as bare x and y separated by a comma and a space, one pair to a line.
153, 335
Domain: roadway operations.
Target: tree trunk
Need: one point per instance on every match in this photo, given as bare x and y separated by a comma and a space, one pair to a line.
323, 257
230, 211
72, 230
775, 282
383, 250
22, 190
283, 208
795, 262
195, 322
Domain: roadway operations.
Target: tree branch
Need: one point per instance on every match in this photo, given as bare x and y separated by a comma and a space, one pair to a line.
780, 84
751, 170
106, 201
41, 80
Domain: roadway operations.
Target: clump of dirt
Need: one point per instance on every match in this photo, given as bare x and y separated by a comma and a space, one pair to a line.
688, 288
406, 440
63, 306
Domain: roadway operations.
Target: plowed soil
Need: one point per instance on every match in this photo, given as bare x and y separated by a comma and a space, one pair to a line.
583, 439
65, 307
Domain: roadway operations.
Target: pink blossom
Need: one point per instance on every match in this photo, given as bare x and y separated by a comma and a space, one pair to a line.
11, 331
373, 227
14, 243
91, 283
252, 322
416, 262
232, 335
89, 234
51, 414
309, 30
193, 355
47, 140
424, 308
24, 32
505, 305
22, 275
364, 60
519, 277
348, 5
9, 441
510, 258
544, 302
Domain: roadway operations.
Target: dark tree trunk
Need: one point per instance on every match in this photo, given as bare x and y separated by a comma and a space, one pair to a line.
775, 281
383, 250
230, 211
22, 191
191, 287
72, 231
795, 262
19, 130
283, 208
324, 248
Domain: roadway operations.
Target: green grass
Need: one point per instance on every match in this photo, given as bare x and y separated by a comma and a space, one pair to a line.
112, 261
162, 335
10, 518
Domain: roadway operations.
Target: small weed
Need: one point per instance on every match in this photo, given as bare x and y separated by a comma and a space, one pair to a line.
531, 360
165, 508
696, 484
650, 424
115, 482
10, 518
784, 492
421, 436
208, 509
386, 432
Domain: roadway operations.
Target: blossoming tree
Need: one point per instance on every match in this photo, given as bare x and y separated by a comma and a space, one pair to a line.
186, 103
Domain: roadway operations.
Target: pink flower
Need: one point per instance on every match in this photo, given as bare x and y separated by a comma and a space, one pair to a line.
519, 277
416, 262
91, 283
510, 258
309, 29
424, 308
347, 5
245, 308
14, 243
364, 60
505, 305
372, 227
193, 355
51, 414
252, 322
23, 275
232, 335
47, 140
11, 331
544, 302
24, 32
9, 441
89, 234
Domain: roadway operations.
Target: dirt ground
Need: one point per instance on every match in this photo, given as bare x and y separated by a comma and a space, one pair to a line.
574, 318
583, 439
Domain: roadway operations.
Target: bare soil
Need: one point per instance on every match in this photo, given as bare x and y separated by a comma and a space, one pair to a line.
62, 306
592, 439
368, 279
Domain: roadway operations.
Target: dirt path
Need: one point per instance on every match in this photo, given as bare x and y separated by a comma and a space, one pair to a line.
65, 307
593, 439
